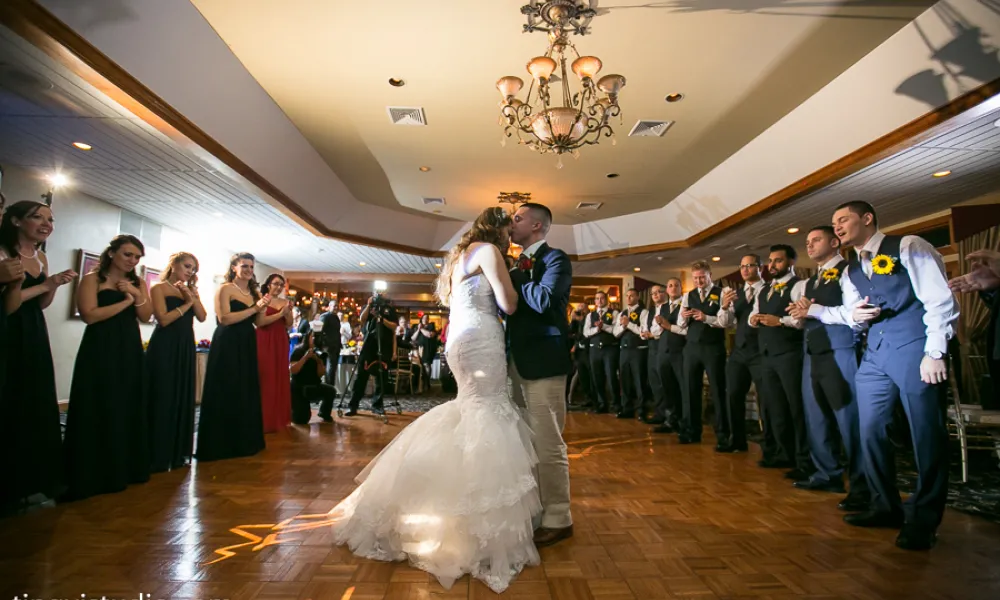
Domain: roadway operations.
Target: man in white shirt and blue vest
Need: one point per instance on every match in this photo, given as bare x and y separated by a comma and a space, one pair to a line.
898, 288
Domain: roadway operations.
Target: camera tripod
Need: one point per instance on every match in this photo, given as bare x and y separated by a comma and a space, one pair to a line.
379, 366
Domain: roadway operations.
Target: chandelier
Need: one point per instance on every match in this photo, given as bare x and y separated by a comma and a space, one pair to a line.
514, 198
582, 119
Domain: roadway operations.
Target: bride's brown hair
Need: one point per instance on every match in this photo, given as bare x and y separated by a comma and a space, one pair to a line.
488, 227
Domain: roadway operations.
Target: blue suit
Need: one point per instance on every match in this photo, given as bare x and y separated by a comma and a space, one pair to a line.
538, 332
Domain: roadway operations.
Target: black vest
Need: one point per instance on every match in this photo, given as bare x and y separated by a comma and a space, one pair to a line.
778, 340
746, 336
654, 344
629, 338
824, 289
603, 338
674, 342
698, 331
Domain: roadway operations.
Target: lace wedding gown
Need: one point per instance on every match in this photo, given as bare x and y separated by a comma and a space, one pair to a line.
454, 492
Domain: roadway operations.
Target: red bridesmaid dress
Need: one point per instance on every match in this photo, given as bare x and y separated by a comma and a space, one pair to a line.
272, 365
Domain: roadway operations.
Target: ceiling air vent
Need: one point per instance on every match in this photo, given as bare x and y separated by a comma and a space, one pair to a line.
400, 115
650, 128
589, 205
433, 201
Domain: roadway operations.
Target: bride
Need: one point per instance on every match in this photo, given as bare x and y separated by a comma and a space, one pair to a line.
454, 492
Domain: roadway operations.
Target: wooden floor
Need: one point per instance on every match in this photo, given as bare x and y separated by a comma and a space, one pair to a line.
653, 519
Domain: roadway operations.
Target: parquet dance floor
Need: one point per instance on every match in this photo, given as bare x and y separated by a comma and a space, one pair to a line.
653, 519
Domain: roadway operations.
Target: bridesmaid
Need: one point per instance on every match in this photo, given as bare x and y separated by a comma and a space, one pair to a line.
31, 467
272, 356
230, 424
170, 363
106, 446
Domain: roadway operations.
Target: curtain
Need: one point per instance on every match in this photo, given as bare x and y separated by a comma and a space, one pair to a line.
973, 320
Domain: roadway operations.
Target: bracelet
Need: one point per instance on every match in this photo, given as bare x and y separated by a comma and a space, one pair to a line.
141, 303
179, 311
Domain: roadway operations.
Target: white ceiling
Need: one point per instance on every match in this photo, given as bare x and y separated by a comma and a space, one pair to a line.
742, 65
44, 109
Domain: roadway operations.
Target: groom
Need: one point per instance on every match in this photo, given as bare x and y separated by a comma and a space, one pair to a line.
539, 360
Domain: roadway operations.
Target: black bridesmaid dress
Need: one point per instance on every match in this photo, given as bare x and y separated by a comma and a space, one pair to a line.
231, 424
31, 462
106, 445
170, 390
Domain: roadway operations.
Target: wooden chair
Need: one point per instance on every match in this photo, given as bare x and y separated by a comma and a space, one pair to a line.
402, 370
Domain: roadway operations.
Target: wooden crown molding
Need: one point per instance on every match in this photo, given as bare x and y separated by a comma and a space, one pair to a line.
50, 35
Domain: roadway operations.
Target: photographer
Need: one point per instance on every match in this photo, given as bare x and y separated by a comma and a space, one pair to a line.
378, 351
307, 368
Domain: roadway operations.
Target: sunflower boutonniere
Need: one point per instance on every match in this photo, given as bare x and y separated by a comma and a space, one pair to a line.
883, 264
831, 274
633, 316
713, 299
779, 288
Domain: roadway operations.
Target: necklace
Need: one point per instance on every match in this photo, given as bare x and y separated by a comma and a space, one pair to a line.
241, 291
23, 255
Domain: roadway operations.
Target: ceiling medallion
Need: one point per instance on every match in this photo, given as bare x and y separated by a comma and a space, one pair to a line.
583, 117
561, 15
514, 198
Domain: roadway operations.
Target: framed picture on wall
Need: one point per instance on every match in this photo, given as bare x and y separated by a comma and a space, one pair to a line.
150, 276
86, 262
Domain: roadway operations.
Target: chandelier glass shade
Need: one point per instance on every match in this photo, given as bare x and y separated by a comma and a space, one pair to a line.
560, 123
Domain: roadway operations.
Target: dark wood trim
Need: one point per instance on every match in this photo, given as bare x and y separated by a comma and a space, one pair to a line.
922, 226
43, 30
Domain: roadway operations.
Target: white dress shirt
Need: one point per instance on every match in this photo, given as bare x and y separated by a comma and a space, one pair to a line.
619, 330
530, 250
592, 330
657, 331
930, 285
711, 321
794, 295
729, 319
823, 267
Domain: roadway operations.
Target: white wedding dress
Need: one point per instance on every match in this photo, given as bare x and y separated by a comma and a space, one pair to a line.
454, 492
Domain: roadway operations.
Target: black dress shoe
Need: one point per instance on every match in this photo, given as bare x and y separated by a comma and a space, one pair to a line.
602, 410
817, 485
351, 413
722, 448
626, 415
916, 537
855, 503
797, 475
326, 418
664, 429
772, 463
546, 537
688, 440
654, 421
872, 518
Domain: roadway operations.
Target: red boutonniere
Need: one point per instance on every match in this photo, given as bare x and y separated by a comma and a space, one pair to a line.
525, 263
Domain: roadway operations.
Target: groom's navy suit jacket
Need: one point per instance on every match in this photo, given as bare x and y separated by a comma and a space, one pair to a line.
538, 331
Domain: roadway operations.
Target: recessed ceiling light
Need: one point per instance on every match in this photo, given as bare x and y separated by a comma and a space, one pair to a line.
438, 265
58, 179
636, 269
216, 214
675, 97
997, 124
395, 82
362, 263
793, 230
612, 175
941, 174
425, 169
437, 212
716, 258
82, 146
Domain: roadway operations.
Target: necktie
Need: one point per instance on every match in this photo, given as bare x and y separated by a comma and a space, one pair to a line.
866, 263
701, 292
749, 294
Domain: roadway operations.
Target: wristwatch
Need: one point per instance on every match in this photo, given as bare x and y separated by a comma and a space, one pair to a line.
935, 354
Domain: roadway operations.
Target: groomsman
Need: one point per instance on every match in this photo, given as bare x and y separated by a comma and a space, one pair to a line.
828, 377
897, 287
780, 341
705, 351
599, 329
743, 366
634, 354
666, 359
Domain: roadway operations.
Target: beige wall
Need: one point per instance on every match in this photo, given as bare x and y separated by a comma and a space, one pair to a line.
82, 221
